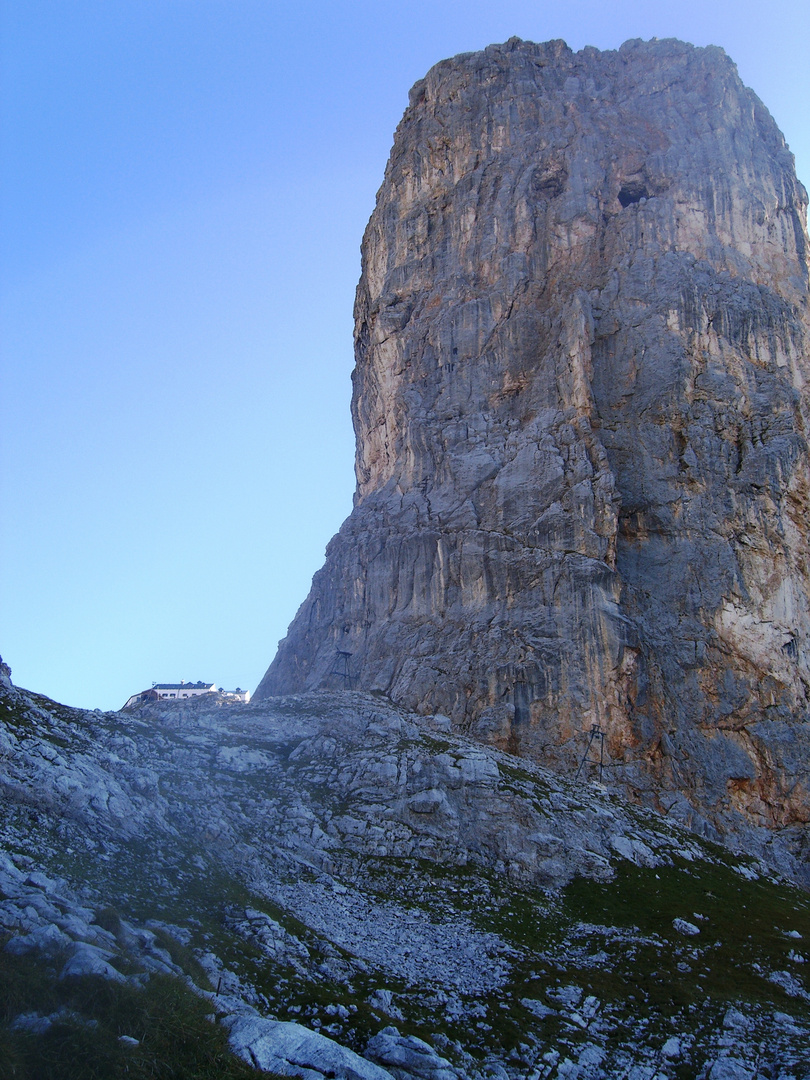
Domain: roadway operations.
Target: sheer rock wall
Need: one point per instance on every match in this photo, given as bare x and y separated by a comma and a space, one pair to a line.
581, 405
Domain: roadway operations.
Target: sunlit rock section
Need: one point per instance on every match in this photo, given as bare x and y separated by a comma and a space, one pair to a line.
581, 405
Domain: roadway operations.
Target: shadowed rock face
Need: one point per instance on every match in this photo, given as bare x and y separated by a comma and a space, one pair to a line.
581, 405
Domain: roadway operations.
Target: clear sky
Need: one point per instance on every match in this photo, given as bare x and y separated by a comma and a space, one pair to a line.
184, 188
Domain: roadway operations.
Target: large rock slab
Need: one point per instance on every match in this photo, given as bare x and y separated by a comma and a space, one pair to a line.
292, 1050
581, 406
408, 1057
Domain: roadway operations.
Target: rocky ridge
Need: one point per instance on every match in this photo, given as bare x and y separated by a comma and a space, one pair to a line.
350, 890
581, 407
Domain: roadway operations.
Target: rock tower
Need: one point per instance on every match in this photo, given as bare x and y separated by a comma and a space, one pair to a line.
581, 406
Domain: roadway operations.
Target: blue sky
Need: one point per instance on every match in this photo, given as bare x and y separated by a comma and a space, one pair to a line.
183, 189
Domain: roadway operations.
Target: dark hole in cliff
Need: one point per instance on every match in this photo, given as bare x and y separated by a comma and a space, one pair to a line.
548, 183
632, 192
791, 648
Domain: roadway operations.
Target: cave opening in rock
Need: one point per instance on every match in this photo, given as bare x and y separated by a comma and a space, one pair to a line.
632, 192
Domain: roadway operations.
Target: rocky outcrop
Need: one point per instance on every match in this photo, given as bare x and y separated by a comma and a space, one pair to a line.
581, 407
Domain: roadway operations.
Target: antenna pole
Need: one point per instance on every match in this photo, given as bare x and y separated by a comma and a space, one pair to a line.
596, 732
342, 668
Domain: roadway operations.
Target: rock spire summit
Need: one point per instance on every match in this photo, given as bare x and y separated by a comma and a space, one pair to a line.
581, 406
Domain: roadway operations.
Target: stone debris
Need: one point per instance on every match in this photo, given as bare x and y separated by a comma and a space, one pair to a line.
90, 960
537, 1008
729, 1068
671, 1049
735, 1020
405, 942
384, 1001
788, 982
683, 926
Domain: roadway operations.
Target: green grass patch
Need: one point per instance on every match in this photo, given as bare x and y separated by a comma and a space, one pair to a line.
88, 1015
743, 933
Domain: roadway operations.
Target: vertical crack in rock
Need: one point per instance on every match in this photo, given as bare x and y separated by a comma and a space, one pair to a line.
581, 409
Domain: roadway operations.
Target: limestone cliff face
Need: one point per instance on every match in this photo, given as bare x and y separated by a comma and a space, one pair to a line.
581, 405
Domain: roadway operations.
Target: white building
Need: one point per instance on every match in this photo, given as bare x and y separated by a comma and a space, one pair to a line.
171, 691
183, 689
